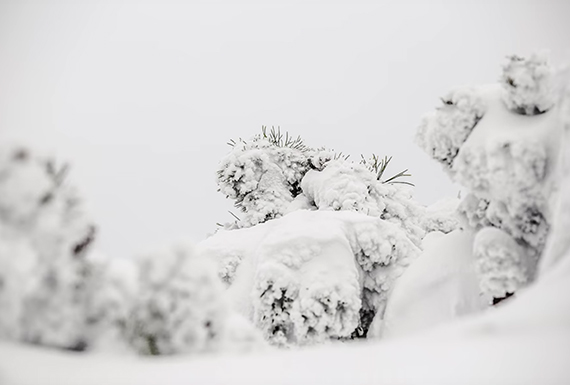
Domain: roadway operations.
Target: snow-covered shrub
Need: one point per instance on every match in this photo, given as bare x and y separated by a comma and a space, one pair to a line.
263, 175
502, 265
46, 276
113, 295
512, 172
313, 275
383, 251
442, 132
506, 164
306, 284
178, 307
527, 84
344, 185
297, 294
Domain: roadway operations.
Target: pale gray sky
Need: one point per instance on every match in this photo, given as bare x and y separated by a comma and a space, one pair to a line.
141, 97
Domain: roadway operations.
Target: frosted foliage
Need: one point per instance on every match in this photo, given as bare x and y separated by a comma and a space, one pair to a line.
508, 164
44, 235
441, 216
442, 132
383, 251
501, 264
228, 268
113, 294
472, 212
504, 165
343, 185
17, 262
306, 289
527, 84
513, 173
349, 186
178, 306
262, 178
307, 277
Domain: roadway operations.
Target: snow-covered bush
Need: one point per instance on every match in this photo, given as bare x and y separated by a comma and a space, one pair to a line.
45, 276
527, 84
178, 307
442, 132
344, 185
502, 264
313, 275
298, 295
109, 305
505, 161
263, 175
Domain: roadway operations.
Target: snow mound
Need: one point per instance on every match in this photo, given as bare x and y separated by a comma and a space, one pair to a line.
438, 287
306, 277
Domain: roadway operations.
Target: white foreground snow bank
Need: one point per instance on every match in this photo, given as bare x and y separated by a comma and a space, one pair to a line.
525, 341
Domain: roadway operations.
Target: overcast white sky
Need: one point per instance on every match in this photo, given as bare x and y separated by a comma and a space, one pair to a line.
142, 97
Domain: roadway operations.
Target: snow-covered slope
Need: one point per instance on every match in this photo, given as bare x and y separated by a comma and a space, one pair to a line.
526, 341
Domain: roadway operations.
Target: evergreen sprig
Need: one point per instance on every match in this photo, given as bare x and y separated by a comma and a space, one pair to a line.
379, 165
277, 138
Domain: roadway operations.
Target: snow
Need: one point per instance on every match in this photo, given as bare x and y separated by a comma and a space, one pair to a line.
350, 186
443, 132
507, 161
527, 84
503, 266
441, 216
305, 276
261, 176
526, 341
44, 234
324, 246
438, 287
559, 240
